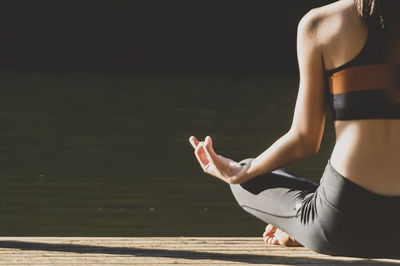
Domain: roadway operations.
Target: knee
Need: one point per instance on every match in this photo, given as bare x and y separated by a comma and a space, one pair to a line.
239, 193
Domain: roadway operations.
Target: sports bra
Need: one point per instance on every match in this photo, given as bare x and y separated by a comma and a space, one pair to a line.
366, 87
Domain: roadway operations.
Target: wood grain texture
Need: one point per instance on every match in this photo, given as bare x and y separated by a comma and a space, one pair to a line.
162, 251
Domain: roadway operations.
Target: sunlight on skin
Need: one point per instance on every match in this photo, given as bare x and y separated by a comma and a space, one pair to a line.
275, 236
226, 169
216, 165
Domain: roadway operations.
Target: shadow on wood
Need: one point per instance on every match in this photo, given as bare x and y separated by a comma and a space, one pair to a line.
180, 254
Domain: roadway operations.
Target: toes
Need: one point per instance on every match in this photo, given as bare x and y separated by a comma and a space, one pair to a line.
271, 240
276, 241
269, 230
269, 227
268, 240
275, 236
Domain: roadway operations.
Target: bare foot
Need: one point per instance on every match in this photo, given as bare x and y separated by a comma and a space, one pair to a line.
275, 236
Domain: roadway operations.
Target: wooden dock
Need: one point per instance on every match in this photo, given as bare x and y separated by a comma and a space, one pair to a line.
161, 251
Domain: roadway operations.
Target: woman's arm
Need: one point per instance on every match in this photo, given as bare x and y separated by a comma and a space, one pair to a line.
305, 135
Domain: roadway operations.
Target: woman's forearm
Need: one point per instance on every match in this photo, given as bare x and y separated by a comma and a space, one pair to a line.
289, 148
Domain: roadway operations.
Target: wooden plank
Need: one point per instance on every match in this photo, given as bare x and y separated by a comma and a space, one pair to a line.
162, 250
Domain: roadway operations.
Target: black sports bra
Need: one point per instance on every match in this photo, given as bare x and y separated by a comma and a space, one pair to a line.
366, 87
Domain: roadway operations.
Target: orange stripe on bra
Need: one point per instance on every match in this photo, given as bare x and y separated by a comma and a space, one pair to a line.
366, 77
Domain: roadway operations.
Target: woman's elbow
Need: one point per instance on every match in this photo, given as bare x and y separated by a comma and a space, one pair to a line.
306, 145
313, 148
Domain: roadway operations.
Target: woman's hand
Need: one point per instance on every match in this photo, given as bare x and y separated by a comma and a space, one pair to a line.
225, 169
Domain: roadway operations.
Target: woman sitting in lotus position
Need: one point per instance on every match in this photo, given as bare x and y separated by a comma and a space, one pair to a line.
349, 59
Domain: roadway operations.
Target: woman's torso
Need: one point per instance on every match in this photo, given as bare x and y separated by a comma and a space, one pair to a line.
367, 151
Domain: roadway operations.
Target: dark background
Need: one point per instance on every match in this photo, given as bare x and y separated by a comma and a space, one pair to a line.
153, 34
98, 100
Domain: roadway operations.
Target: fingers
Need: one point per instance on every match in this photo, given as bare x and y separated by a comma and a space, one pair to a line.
210, 162
193, 141
212, 156
208, 143
199, 152
201, 156
204, 151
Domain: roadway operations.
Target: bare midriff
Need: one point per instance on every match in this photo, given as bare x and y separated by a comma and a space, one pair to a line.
367, 152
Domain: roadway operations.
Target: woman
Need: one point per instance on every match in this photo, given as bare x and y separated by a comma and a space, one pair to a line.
349, 58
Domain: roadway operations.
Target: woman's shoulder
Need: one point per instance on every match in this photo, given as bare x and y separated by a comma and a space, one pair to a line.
335, 30
329, 20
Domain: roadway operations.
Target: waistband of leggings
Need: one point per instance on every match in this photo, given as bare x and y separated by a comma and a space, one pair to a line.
340, 191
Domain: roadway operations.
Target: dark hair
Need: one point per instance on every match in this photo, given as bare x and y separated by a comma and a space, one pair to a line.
377, 13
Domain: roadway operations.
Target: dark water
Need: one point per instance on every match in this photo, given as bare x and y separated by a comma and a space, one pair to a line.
107, 154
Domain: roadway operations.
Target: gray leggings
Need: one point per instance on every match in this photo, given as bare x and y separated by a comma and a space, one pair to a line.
337, 217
